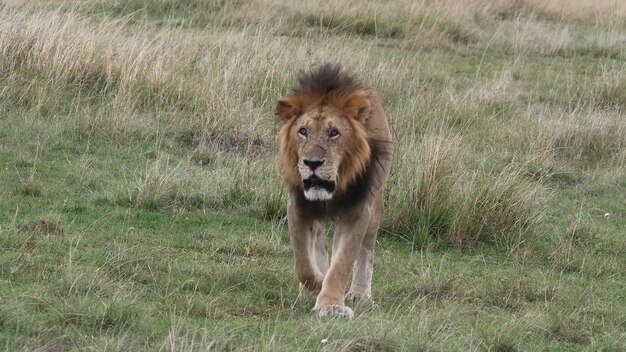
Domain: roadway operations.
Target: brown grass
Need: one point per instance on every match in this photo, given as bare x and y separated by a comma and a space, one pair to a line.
225, 85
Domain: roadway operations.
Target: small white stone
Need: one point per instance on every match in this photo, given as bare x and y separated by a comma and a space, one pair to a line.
324, 341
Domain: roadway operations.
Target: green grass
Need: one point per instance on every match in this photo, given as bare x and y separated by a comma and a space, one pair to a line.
141, 206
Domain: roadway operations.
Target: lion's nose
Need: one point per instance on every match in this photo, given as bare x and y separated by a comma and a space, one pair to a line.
314, 163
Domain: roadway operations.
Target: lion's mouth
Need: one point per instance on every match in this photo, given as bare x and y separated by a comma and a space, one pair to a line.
316, 182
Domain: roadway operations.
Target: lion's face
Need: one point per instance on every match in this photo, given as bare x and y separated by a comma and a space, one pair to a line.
324, 146
321, 136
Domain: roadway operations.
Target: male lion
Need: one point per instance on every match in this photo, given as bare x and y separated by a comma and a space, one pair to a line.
336, 151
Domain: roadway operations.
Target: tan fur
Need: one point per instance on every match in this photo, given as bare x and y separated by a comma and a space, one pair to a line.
357, 114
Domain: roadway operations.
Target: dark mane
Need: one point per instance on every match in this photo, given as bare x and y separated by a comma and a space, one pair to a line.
329, 78
356, 194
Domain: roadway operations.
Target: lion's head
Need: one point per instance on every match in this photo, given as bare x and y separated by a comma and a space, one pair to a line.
323, 142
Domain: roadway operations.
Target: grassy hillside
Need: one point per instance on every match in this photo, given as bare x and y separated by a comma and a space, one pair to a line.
141, 206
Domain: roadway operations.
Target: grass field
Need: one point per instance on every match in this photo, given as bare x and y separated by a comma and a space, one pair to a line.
141, 206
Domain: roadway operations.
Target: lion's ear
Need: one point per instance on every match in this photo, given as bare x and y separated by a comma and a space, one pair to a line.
357, 105
287, 108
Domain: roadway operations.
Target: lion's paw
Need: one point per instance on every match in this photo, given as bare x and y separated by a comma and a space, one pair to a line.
333, 310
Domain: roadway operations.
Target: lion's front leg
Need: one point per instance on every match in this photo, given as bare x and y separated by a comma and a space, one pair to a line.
321, 250
346, 248
303, 233
320, 256
361, 288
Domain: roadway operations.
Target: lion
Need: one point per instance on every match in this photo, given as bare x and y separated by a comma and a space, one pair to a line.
336, 151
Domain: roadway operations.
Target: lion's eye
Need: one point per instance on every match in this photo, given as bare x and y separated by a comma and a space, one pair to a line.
333, 133
302, 132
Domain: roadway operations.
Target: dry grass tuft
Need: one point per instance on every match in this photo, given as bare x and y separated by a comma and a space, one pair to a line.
610, 90
504, 209
424, 209
456, 202
31, 188
494, 92
555, 10
159, 186
599, 138
49, 226
68, 52
164, 184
